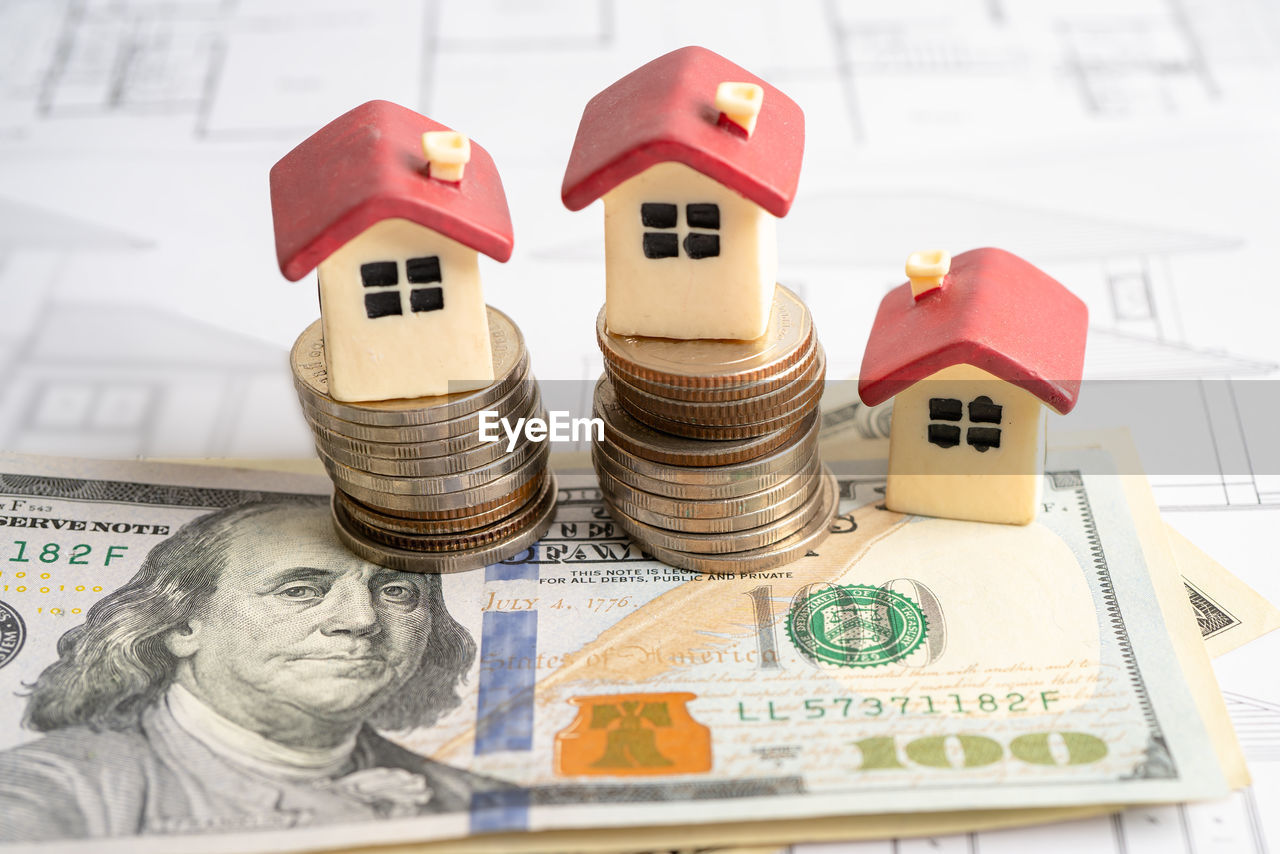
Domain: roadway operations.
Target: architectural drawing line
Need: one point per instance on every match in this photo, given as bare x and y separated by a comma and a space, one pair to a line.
844, 71
1117, 833
430, 56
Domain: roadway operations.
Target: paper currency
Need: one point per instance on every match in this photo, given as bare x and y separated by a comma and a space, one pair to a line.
1255, 617
266, 690
1228, 612
1250, 617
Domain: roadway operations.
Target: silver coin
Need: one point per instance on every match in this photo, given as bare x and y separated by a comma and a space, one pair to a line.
771, 556
474, 515
500, 530
708, 508
515, 399
459, 463
311, 379
460, 561
721, 412
725, 525
367, 516
692, 490
714, 362
804, 401
720, 394
781, 463
434, 484
443, 451
648, 536
644, 441
392, 502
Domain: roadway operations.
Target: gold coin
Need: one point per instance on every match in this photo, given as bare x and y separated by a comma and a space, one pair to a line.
516, 398
777, 554
711, 362
464, 499
720, 394
311, 378
461, 561
716, 412
650, 536
643, 441
500, 529
670, 509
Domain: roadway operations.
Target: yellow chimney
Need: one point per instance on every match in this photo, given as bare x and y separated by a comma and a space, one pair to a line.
740, 103
448, 153
926, 270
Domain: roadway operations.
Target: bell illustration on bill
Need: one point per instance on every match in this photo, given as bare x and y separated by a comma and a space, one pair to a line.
633, 734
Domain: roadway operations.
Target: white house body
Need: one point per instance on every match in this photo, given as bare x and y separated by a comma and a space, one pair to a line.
403, 315
687, 257
965, 444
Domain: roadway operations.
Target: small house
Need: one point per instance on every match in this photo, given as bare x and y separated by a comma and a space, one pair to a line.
972, 349
392, 208
694, 157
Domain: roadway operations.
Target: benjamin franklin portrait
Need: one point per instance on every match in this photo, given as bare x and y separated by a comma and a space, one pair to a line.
239, 681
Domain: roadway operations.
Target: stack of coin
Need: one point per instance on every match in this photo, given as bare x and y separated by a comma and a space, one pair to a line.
720, 389
416, 488
710, 452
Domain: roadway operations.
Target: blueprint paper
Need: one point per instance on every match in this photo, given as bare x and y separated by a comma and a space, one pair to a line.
1126, 147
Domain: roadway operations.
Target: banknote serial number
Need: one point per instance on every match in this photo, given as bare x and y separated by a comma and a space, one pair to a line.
81, 554
815, 708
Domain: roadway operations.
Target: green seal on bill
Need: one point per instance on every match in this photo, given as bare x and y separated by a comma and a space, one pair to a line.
856, 625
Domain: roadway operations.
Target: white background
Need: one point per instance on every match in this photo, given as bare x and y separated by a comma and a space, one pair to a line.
1127, 147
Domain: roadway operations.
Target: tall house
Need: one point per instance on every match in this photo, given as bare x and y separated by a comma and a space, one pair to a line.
694, 157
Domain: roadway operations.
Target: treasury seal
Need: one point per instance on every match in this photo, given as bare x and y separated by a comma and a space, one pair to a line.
13, 634
856, 625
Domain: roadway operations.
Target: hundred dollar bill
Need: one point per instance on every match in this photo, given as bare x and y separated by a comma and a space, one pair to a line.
188, 651
1228, 612
1251, 614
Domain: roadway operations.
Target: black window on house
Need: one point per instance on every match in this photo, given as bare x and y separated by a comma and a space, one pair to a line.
983, 438
383, 291
982, 410
654, 215
666, 243
421, 270
658, 245
702, 216
426, 299
945, 409
379, 273
944, 435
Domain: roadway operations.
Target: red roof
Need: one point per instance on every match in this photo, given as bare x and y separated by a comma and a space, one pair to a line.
666, 111
994, 311
366, 166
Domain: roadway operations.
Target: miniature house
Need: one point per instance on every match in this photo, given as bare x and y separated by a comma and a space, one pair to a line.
694, 158
393, 208
972, 350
